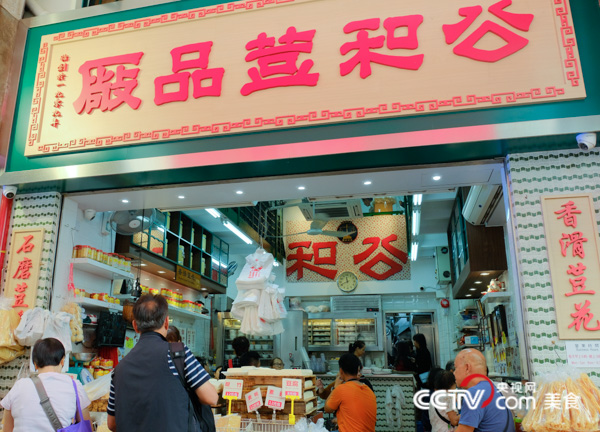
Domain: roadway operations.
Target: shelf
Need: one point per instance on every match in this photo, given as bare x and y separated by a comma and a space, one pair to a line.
98, 304
186, 313
495, 297
91, 266
458, 348
469, 328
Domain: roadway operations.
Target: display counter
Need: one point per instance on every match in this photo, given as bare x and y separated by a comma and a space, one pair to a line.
381, 383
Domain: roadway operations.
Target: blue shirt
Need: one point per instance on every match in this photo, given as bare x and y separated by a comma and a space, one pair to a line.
488, 419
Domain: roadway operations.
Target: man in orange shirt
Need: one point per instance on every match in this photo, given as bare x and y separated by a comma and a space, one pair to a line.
354, 402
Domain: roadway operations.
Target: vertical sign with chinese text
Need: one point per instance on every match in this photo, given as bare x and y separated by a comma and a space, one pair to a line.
572, 241
293, 63
24, 268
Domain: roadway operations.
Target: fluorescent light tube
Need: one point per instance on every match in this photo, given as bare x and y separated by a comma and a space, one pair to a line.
414, 250
231, 227
416, 222
214, 213
417, 199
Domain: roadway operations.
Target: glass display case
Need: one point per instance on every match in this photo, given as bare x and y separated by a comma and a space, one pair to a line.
335, 331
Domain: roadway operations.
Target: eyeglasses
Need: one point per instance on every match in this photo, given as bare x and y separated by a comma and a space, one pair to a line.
277, 364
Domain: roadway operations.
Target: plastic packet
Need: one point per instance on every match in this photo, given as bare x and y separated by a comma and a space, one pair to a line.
98, 388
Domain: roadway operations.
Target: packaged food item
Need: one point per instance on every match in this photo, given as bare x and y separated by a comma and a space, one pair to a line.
77, 251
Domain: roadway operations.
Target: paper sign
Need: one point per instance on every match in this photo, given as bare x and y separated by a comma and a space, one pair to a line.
292, 387
233, 388
254, 400
583, 353
275, 399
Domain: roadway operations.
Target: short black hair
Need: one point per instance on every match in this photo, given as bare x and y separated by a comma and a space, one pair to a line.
47, 352
433, 375
240, 345
150, 312
350, 364
444, 380
450, 366
251, 358
173, 334
420, 339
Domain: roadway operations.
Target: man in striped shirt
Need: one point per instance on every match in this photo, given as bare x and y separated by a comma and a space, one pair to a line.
146, 393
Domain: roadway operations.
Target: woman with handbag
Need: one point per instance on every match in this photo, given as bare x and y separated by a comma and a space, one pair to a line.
25, 409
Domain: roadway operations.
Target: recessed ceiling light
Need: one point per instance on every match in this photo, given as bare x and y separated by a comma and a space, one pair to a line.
161, 271
146, 278
472, 289
124, 201
367, 182
468, 295
301, 188
239, 192
203, 289
477, 282
436, 177
143, 265
484, 274
181, 196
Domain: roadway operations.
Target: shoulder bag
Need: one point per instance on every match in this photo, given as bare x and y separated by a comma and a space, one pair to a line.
82, 426
201, 413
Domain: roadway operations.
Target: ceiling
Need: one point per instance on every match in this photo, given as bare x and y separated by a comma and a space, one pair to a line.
192, 199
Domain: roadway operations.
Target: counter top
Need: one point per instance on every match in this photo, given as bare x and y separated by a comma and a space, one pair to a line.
392, 375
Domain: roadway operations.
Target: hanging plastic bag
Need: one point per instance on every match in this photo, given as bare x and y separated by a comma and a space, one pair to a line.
9, 321
57, 326
98, 388
32, 325
256, 271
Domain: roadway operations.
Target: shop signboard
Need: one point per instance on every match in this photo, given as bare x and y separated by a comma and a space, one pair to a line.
259, 65
572, 242
24, 268
378, 250
583, 354
188, 278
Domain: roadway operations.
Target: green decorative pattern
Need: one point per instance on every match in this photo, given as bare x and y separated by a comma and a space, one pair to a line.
41, 210
532, 175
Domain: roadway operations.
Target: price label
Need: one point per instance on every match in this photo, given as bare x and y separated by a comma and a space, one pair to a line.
292, 387
233, 388
275, 399
254, 400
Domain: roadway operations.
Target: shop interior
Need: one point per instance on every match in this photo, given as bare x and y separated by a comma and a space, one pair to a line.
180, 246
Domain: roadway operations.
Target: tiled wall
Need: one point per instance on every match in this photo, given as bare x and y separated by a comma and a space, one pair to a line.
532, 175
32, 211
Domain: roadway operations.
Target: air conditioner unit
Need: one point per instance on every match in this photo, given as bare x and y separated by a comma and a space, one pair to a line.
442, 265
481, 203
332, 210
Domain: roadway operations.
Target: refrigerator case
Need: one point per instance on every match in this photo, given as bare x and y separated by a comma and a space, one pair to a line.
334, 331
228, 329
288, 345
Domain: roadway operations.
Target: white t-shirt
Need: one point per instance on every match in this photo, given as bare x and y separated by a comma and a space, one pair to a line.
437, 424
24, 403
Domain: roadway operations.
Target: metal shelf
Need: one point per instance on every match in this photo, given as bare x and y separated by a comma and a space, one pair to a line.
98, 304
495, 297
94, 267
182, 312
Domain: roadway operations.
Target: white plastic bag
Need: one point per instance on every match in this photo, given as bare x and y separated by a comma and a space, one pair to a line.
256, 271
57, 326
32, 325
98, 388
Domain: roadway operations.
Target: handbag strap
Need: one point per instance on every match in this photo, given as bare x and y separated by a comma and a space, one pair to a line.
45, 403
78, 403
445, 420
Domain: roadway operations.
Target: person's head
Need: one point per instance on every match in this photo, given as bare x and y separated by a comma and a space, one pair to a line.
349, 366
445, 380
276, 363
357, 348
251, 358
419, 341
48, 352
173, 334
403, 348
150, 313
240, 345
433, 374
450, 366
469, 362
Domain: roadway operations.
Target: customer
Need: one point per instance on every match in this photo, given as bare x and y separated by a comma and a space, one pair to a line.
22, 410
443, 419
403, 361
240, 345
354, 403
276, 363
251, 358
173, 334
357, 348
450, 366
429, 387
422, 359
491, 418
145, 393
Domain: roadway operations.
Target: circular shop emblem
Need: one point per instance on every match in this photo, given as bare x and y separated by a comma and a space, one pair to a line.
351, 229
